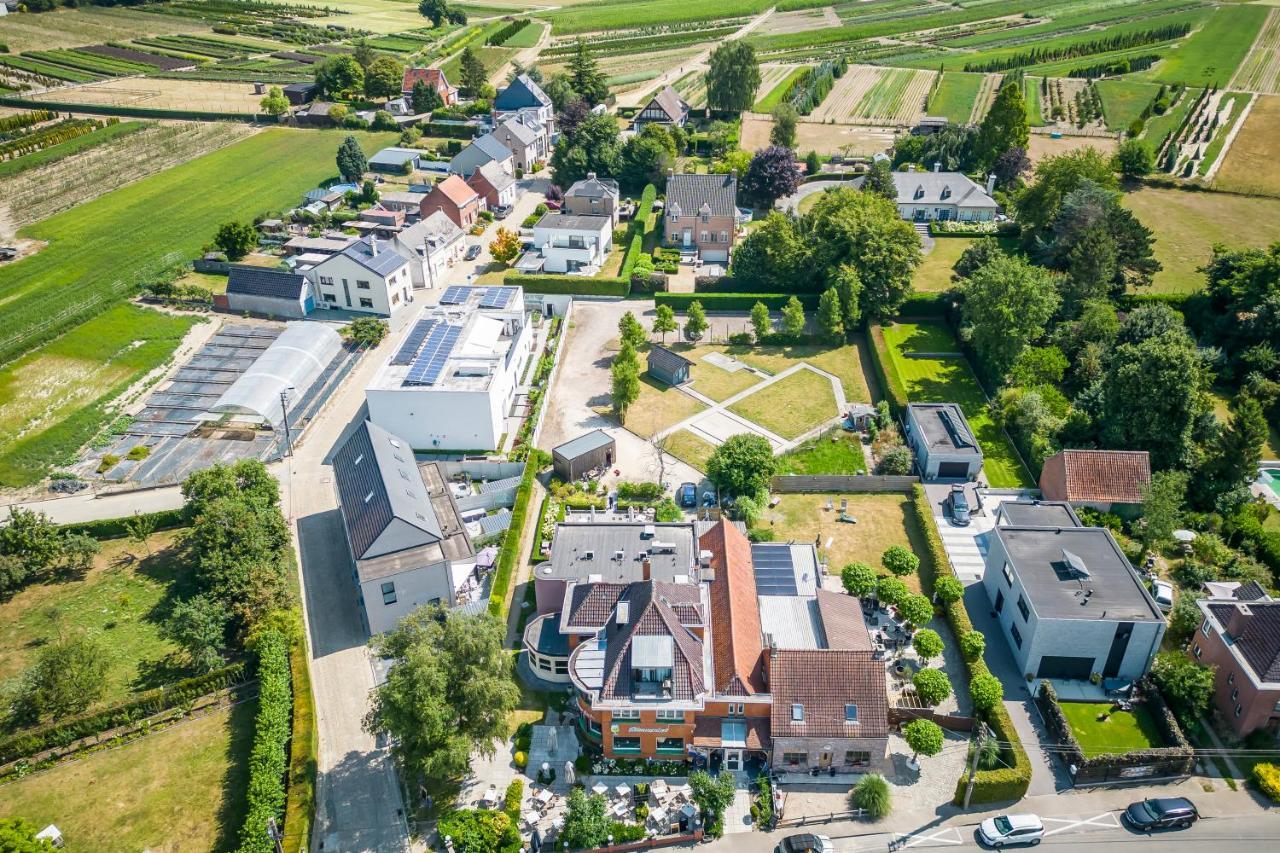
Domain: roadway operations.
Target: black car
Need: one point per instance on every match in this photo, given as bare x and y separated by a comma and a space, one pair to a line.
1163, 813
688, 495
473, 251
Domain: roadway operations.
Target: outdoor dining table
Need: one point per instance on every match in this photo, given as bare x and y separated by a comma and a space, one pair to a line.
544, 796
623, 790
621, 809
658, 816
531, 818
659, 786
599, 788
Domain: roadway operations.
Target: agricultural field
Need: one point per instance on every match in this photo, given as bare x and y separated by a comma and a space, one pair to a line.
1212, 53
628, 14
1260, 71
88, 25
1123, 100
1230, 109
692, 86
618, 66
956, 96
1250, 164
872, 95
164, 94
826, 139
774, 80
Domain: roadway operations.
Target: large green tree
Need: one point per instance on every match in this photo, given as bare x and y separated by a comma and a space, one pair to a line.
19, 836
337, 75
646, 157
879, 180
1163, 500
713, 795
586, 821
1054, 179
383, 78
783, 131
449, 692
769, 257
440, 12
585, 76
68, 677
471, 72
1188, 686
591, 147
1234, 463
624, 379
743, 465
1007, 304
424, 97
351, 160
1004, 127
733, 76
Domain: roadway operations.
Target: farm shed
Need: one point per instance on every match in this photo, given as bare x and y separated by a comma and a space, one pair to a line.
300, 93
290, 366
576, 457
667, 366
393, 160
273, 293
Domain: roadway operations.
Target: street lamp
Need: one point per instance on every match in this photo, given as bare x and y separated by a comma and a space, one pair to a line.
284, 414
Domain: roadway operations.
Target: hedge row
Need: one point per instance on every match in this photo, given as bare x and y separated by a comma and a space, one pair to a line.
1267, 777
886, 373
511, 544
269, 760
117, 528
1245, 526
67, 731
447, 130
637, 230
300, 808
990, 786
1059, 727
139, 112
923, 305
571, 285
734, 301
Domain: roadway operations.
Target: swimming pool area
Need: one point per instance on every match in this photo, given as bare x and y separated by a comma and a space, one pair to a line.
1267, 483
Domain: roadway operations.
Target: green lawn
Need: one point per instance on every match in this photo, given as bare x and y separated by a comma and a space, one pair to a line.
1210, 55
950, 380
1123, 731
791, 406
1031, 94
689, 448
1158, 126
526, 37
1123, 100
955, 95
837, 452
179, 789
659, 406
934, 273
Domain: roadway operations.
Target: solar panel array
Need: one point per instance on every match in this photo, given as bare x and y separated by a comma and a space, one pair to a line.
490, 297
413, 342
455, 295
496, 297
435, 353
774, 570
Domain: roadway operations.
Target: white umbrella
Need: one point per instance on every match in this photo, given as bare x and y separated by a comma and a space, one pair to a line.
568, 773
531, 818
599, 788
1184, 536
623, 790
551, 740
659, 786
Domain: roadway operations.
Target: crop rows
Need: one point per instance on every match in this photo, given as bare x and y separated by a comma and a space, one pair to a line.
18, 121
167, 63
775, 85
1260, 71
48, 70
986, 94
642, 44
626, 14
49, 135
105, 66
693, 88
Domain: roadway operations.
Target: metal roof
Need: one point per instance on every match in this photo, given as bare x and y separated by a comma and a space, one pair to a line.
394, 156
247, 280
944, 427
583, 444
291, 364
667, 360
568, 221
496, 523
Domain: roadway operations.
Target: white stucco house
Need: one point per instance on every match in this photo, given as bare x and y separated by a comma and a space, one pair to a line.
369, 277
564, 243
925, 196
432, 246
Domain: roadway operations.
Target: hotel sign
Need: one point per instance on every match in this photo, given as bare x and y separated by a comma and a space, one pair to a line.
640, 730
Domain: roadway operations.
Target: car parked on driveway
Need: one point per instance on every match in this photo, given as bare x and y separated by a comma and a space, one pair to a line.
1162, 813
1010, 829
959, 504
1162, 592
473, 252
688, 494
807, 843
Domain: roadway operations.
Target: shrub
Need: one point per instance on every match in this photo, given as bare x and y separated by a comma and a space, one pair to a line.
925, 737
891, 590
871, 794
927, 643
521, 759
138, 452
932, 686
858, 579
948, 589
479, 831
511, 801
647, 492
268, 759
109, 461
986, 692
900, 561
972, 645
916, 609
1267, 777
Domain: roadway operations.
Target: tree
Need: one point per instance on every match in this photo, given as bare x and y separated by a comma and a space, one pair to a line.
199, 626
812, 163
585, 76
743, 465
879, 180
480, 831
891, 591
783, 131
858, 579
275, 103
721, 138
772, 174
586, 822
1185, 684
1239, 447
1010, 166
916, 609
986, 691
19, 836
848, 286
733, 76
899, 560
33, 539
505, 246
1007, 305
736, 160
1134, 158
1184, 618
351, 160
624, 376
632, 331
768, 259
646, 156
140, 527
365, 332
338, 75
948, 589
592, 146
449, 692
236, 239
424, 98
1004, 127
976, 256
1162, 503
1055, 178
695, 321
898, 461
927, 643
713, 796
793, 318
440, 12
1152, 394
664, 320
383, 120
66, 679
830, 321
871, 794
383, 78
925, 737
471, 71
972, 645
761, 323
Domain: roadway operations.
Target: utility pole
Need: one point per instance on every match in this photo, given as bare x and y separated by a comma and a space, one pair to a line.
274, 833
284, 413
973, 764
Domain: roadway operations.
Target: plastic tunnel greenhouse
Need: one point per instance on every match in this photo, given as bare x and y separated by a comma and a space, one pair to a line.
292, 363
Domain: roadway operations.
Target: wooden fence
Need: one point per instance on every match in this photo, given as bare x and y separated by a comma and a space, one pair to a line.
843, 483
651, 843
951, 722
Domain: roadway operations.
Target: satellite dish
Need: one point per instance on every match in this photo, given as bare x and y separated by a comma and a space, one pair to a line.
1075, 563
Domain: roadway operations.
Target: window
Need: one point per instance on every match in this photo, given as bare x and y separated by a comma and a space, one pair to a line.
366, 302
329, 297
326, 279
1204, 629
1195, 650
670, 715
851, 713
857, 758
704, 237
389, 593
1235, 694
395, 299
1239, 710
1231, 679
1008, 575
1024, 609
626, 744
999, 601
706, 217
671, 744
620, 716
797, 713
362, 285
544, 664
724, 236
562, 667
1017, 635
794, 759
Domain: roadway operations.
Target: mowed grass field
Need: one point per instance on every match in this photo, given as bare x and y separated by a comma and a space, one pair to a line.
955, 95
951, 380
181, 789
1250, 165
89, 25
1124, 100
1188, 224
624, 14
1211, 54
791, 406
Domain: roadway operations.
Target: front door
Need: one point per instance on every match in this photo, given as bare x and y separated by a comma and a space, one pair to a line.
824, 759
687, 238
733, 759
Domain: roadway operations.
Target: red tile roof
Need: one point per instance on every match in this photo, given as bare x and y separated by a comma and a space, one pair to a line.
430, 76
824, 681
735, 616
456, 190
651, 614
1101, 476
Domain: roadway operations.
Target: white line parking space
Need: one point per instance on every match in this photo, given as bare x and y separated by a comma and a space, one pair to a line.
1059, 825
947, 837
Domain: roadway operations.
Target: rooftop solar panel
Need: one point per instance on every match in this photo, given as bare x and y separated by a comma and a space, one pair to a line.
455, 295
775, 572
496, 297
413, 342
435, 353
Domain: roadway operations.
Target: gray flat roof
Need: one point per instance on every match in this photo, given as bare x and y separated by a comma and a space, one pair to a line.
1042, 559
581, 550
1039, 514
791, 622
945, 427
575, 447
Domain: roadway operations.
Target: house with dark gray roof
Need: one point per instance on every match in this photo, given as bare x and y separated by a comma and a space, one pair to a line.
402, 526
944, 444
593, 196
527, 138
1241, 639
368, 277
668, 366
268, 292
942, 196
522, 95
479, 151
666, 107
701, 215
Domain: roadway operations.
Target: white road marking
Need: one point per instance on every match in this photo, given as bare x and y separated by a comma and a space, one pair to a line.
1106, 820
948, 835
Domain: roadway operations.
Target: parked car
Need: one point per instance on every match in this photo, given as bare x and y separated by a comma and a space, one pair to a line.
473, 252
1164, 813
959, 505
502, 211
1011, 829
8, 253
688, 493
1162, 592
807, 843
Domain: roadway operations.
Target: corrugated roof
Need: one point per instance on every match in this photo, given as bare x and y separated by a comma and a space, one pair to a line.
394, 156
688, 194
263, 282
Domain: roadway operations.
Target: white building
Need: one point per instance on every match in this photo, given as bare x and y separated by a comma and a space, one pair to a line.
563, 243
924, 196
452, 381
368, 277
944, 444
432, 246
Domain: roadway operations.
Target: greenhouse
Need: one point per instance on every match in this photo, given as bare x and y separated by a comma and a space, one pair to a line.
292, 364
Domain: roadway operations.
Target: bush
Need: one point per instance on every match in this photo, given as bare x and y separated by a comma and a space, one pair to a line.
511, 801
932, 686
927, 643
117, 528
900, 561
521, 759
948, 589
571, 284
269, 758
734, 301
1267, 777
480, 831
643, 492
871, 794
986, 692
891, 385
972, 645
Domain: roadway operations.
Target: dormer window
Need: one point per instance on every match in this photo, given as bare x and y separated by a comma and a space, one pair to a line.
946, 192
919, 192
797, 713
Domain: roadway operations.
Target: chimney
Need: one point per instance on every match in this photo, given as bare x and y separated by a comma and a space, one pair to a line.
911, 167
991, 183
373, 246
646, 569
1238, 621
937, 166
591, 176
671, 173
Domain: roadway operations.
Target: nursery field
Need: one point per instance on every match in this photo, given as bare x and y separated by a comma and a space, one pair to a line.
774, 80
955, 96
693, 88
163, 94
627, 14
874, 95
1249, 166
1260, 71
88, 25
1211, 54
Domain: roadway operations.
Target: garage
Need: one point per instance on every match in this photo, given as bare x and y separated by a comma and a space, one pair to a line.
953, 470
1066, 668
714, 256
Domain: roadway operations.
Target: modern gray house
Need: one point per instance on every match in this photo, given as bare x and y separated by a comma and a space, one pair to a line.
268, 292
944, 444
667, 366
575, 457
481, 150
407, 539
1067, 600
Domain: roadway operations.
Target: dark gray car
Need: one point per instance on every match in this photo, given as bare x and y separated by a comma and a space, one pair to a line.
1162, 813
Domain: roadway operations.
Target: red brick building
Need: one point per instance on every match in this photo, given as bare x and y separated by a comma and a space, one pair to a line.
1242, 640
1101, 479
457, 199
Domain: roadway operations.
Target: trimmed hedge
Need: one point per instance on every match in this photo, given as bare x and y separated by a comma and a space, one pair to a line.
115, 528
734, 301
924, 305
63, 732
990, 786
268, 760
448, 130
300, 807
891, 386
572, 285
511, 544
1267, 777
